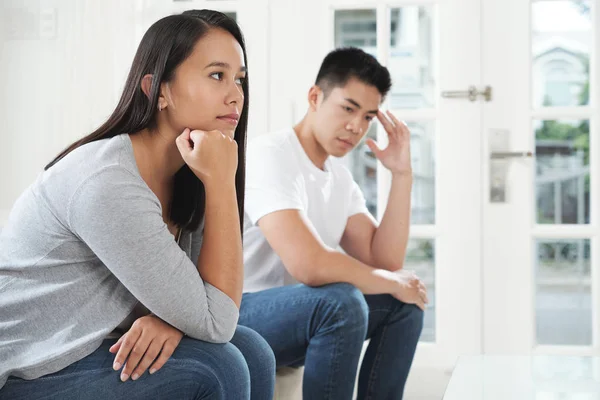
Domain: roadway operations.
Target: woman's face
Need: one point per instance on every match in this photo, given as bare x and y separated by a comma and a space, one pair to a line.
206, 91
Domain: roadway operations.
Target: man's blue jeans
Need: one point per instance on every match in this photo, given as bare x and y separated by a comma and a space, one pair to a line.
324, 329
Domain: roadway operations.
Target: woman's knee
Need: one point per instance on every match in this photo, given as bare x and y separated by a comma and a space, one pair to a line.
255, 349
211, 369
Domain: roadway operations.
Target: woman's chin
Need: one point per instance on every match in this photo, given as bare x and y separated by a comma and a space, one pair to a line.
229, 132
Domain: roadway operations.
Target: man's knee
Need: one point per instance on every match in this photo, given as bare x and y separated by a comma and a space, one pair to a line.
410, 315
347, 303
415, 317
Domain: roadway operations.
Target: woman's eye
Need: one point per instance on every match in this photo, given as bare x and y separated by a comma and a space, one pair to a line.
217, 75
240, 81
348, 109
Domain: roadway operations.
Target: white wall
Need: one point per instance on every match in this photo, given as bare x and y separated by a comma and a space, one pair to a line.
64, 62
299, 37
62, 66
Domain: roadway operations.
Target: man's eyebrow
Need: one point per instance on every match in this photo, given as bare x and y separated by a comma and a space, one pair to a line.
355, 104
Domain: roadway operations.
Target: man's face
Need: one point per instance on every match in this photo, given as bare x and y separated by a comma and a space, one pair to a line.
343, 117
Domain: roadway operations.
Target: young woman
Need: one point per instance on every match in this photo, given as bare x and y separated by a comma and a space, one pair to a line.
125, 255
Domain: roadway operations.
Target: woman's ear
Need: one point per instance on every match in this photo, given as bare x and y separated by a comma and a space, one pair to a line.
147, 86
164, 97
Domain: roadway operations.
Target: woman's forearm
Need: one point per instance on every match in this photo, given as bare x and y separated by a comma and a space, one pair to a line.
220, 262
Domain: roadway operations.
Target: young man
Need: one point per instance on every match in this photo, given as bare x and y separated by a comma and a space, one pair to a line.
313, 304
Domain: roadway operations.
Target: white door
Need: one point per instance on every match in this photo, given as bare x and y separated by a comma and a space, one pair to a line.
429, 47
541, 243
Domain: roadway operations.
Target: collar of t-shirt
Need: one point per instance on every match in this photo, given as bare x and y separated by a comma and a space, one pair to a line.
318, 173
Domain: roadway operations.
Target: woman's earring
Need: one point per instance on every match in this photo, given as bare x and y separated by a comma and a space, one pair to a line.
160, 107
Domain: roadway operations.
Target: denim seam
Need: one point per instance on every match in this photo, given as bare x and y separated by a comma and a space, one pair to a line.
62, 376
211, 396
296, 360
338, 343
304, 300
384, 310
375, 366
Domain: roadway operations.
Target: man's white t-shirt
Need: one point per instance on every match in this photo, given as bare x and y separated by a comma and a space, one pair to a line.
280, 176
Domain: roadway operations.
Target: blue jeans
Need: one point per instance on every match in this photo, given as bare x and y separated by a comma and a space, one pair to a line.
241, 369
324, 329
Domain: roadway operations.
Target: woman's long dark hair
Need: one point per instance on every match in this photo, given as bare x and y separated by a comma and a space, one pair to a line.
166, 44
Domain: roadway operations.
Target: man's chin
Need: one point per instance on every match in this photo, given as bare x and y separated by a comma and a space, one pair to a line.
339, 153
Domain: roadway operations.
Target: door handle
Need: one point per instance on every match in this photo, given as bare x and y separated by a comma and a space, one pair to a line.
471, 93
500, 155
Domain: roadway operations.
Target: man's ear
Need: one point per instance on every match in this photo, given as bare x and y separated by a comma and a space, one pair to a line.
315, 97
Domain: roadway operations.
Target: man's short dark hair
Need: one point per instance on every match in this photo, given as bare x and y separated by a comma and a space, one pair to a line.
343, 64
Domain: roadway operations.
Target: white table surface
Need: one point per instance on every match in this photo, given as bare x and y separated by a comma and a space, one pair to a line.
525, 377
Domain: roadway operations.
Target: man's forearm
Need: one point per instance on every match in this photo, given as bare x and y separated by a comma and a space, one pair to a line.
331, 266
388, 247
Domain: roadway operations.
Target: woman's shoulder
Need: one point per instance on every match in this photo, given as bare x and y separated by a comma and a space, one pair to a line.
104, 164
92, 172
92, 159
93, 156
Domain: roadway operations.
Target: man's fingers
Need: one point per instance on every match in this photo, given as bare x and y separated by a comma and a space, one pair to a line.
373, 146
423, 295
401, 127
387, 124
397, 123
409, 273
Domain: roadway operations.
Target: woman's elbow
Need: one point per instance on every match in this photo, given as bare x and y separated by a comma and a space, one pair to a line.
222, 336
215, 330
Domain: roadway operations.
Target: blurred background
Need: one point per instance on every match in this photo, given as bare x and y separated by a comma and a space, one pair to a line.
506, 243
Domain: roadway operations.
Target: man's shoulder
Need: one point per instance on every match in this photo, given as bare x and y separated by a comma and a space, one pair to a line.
272, 151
